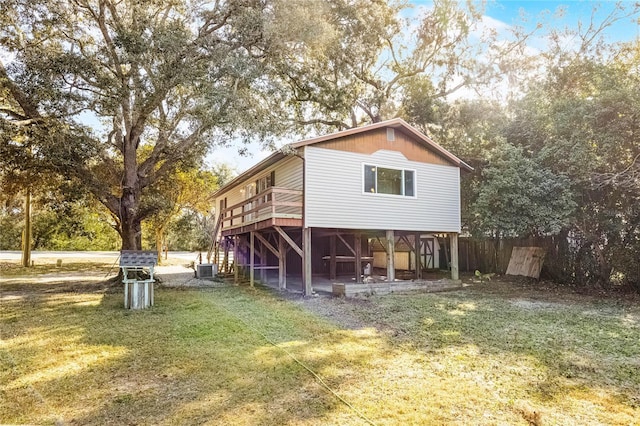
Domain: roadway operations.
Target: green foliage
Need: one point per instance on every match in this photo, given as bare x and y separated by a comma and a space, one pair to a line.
10, 230
419, 102
75, 229
190, 231
223, 173
560, 158
63, 218
166, 80
519, 198
187, 194
582, 122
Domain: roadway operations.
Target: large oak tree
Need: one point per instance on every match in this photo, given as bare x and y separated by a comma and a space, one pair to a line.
86, 84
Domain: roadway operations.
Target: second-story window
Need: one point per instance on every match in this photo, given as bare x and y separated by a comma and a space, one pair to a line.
385, 180
265, 183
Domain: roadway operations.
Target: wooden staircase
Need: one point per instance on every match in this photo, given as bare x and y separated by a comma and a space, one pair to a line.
219, 252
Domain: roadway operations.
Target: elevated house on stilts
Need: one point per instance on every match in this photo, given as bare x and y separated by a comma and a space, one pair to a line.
333, 209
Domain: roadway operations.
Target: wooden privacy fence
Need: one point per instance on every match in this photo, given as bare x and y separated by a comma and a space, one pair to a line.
489, 255
570, 258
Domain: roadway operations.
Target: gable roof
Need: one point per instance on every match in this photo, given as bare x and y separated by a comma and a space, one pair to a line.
396, 123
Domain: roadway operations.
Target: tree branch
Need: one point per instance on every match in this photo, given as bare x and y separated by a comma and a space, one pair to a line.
334, 123
30, 110
13, 114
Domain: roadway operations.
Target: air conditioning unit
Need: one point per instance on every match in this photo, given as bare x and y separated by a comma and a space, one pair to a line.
206, 271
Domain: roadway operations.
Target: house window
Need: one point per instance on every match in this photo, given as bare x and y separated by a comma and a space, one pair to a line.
266, 182
384, 180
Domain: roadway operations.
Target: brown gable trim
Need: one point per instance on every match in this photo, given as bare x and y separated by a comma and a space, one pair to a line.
405, 127
397, 123
377, 139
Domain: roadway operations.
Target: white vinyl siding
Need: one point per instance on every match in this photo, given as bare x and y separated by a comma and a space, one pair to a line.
288, 174
334, 195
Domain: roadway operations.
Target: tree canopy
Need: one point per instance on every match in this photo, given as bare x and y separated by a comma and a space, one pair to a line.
92, 83
372, 56
514, 198
561, 158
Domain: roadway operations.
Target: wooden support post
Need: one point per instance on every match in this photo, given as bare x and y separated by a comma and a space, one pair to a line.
306, 262
446, 252
126, 289
252, 253
353, 252
239, 258
282, 263
418, 254
332, 255
263, 262
289, 240
391, 256
236, 254
454, 256
225, 258
357, 245
151, 285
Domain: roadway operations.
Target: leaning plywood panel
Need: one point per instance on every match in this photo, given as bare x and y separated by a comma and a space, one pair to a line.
526, 261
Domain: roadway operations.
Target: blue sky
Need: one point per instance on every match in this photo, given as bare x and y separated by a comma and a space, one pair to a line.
509, 12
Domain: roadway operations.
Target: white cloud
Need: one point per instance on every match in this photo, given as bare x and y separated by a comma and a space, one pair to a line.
489, 25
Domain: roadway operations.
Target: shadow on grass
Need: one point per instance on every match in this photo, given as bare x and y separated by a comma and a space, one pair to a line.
188, 360
569, 347
199, 356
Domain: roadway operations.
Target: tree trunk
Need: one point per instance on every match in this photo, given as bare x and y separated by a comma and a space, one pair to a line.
130, 221
604, 269
131, 234
159, 241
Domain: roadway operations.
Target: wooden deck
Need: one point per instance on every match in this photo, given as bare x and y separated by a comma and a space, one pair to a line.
257, 225
273, 207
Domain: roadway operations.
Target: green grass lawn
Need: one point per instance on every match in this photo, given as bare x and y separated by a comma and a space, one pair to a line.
73, 355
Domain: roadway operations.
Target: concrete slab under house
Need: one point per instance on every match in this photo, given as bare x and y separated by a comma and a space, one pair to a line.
359, 211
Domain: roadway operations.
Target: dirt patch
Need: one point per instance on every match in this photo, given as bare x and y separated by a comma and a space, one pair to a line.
182, 276
336, 310
521, 288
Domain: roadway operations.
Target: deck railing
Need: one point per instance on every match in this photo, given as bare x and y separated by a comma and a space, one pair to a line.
275, 202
